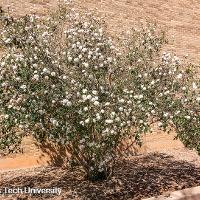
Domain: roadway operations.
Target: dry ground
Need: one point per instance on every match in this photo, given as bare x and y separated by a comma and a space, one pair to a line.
142, 176
134, 179
179, 17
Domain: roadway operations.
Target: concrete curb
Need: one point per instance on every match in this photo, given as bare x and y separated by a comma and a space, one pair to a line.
186, 194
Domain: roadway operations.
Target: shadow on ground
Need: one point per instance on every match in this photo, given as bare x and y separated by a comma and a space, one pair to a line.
135, 178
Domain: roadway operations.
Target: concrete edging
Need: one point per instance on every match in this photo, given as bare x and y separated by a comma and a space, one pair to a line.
186, 194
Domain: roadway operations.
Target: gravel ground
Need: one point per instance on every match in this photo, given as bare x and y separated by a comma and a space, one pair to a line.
137, 177
134, 178
183, 154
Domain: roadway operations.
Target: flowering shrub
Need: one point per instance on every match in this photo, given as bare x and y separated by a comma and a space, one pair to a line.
64, 81
170, 89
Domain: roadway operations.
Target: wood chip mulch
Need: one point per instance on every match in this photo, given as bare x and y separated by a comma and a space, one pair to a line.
134, 178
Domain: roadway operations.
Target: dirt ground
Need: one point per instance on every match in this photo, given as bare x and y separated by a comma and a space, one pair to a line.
180, 18
166, 165
134, 178
35, 157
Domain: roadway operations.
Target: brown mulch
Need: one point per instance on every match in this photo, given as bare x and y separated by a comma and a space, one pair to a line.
134, 178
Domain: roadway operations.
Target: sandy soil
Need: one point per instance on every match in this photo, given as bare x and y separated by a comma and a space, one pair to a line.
172, 167
180, 18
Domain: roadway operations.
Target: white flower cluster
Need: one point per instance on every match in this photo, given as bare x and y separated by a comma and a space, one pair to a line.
79, 91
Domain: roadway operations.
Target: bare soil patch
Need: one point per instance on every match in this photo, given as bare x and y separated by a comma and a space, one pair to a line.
179, 18
140, 176
134, 178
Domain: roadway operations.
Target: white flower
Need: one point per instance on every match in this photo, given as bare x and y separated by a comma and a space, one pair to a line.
94, 92
129, 102
3, 84
121, 109
23, 87
96, 103
102, 111
107, 103
179, 76
41, 111
85, 24
82, 140
117, 119
8, 40
85, 108
45, 70
86, 65
64, 101
109, 121
84, 91
6, 116
94, 99
141, 121
73, 81
98, 117
64, 77
183, 88
36, 77
144, 88
53, 73
89, 97
54, 122
14, 67
177, 112
21, 126
122, 124
140, 96
113, 113
69, 59
87, 120
69, 103
187, 117
194, 86
109, 59
10, 106
84, 50
198, 99
82, 123
100, 30
84, 97
166, 114
45, 34
3, 64
90, 76
76, 60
